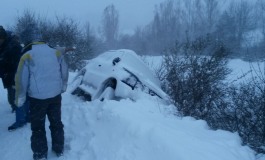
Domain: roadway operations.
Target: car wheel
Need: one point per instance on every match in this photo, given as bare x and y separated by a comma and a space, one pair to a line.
107, 94
82, 94
108, 89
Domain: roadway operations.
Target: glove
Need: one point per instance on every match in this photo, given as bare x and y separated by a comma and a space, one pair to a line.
20, 101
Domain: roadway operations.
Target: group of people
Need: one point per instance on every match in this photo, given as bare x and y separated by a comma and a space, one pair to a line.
35, 76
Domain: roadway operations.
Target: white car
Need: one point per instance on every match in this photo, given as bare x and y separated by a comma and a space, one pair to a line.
116, 74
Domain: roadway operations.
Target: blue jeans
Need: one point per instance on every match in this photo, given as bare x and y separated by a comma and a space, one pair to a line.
22, 114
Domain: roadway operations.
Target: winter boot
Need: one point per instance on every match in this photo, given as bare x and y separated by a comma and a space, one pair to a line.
15, 126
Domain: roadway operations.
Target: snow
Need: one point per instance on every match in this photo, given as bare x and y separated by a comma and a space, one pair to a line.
125, 130
244, 71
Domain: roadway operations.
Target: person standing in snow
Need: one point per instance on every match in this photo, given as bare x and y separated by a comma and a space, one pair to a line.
42, 74
10, 53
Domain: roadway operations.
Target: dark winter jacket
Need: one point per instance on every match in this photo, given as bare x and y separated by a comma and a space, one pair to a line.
10, 53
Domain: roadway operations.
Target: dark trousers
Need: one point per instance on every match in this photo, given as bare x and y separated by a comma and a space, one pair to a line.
38, 111
11, 96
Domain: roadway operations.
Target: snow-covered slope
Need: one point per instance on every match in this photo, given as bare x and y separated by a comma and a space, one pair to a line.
124, 130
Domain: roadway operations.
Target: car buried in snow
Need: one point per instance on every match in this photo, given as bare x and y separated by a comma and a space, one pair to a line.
116, 74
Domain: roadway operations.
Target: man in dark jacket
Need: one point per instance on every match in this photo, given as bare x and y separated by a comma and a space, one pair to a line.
10, 53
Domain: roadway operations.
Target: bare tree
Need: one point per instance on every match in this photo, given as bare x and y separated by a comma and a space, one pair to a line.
235, 22
200, 17
110, 26
66, 32
261, 13
86, 46
164, 28
193, 18
28, 17
260, 17
212, 13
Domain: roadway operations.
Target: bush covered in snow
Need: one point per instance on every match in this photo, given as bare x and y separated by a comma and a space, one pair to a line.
194, 75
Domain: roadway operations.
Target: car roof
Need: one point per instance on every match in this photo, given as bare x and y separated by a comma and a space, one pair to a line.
132, 62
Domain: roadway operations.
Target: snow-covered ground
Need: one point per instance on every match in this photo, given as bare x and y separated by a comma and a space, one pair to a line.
125, 130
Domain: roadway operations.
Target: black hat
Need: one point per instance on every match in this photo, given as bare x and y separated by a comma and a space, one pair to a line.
3, 33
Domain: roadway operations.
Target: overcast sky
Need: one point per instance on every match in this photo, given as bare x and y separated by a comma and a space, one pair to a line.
132, 12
